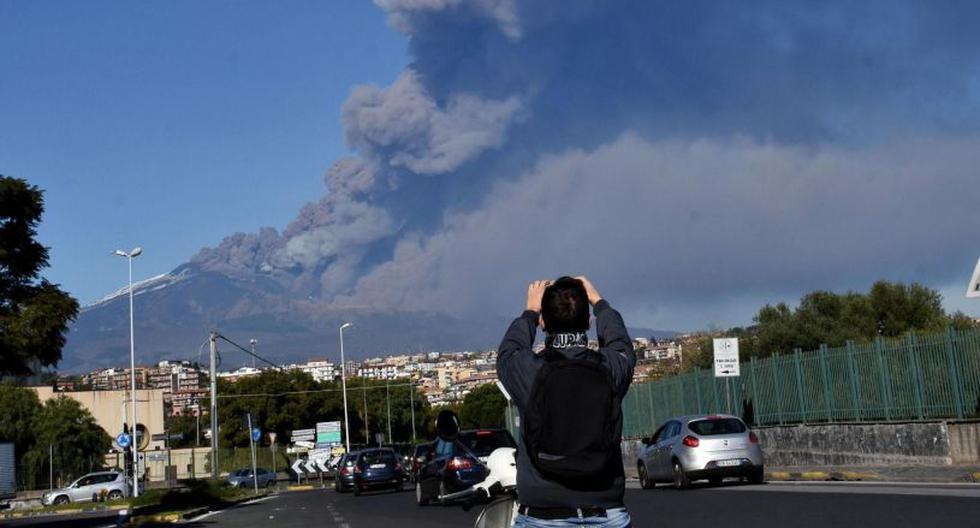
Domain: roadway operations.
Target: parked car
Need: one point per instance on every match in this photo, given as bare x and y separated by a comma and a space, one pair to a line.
242, 478
689, 448
344, 479
454, 466
104, 485
377, 468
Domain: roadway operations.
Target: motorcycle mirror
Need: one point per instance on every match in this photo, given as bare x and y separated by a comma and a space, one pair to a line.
447, 425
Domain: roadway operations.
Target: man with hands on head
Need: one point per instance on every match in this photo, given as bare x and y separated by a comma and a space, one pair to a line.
569, 466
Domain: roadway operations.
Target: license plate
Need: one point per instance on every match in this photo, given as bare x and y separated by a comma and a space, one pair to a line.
727, 463
377, 466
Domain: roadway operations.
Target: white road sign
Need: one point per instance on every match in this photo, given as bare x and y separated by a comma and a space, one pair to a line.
297, 467
726, 357
973, 290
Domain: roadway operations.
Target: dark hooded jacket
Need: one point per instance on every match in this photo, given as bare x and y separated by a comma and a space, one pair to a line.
517, 366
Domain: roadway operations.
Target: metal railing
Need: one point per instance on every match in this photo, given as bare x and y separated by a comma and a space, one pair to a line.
916, 377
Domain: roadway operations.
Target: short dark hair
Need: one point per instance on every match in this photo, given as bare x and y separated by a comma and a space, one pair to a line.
565, 306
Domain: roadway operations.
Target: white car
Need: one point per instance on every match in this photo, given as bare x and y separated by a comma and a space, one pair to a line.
104, 485
712, 447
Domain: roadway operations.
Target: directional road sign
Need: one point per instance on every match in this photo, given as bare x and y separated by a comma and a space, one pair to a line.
297, 467
311, 467
327, 433
726, 357
123, 440
973, 290
307, 435
256, 434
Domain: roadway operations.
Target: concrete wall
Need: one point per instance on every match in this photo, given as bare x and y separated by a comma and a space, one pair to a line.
109, 408
856, 444
964, 442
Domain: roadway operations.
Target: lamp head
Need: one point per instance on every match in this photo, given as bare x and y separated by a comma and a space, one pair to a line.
120, 252
136, 252
346, 325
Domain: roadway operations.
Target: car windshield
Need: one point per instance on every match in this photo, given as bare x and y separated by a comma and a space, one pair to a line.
717, 426
378, 457
482, 443
242, 473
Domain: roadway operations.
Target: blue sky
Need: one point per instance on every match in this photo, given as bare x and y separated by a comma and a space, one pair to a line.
170, 125
728, 155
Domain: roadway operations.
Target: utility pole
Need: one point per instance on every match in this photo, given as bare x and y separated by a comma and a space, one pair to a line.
214, 405
411, 395
251, 445
367, 429
388, 397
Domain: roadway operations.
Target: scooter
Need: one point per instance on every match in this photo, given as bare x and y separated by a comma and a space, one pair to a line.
498, 489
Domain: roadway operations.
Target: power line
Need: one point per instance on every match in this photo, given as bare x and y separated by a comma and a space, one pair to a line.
249, 352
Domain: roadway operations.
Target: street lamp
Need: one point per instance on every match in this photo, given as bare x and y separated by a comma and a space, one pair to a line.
253, 342
343, 382
132, 362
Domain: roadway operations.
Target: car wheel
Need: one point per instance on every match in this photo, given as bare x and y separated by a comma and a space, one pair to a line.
400, 486
357, 490
757, 476
270, 484
115, 495
61, 499
420, 498
645, 481
680, 477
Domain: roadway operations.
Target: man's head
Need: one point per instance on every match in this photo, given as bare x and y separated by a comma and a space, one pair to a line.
565, 307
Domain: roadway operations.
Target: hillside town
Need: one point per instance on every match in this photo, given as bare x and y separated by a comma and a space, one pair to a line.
444, 377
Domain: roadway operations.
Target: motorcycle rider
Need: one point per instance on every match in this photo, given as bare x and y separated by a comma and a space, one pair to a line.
555, 408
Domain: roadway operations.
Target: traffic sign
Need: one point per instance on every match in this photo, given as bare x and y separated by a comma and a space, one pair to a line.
327, 433
973, 290
256, 434
123, 440
308, 435
726, 357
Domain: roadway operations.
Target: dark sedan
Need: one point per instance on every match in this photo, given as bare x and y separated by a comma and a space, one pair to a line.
377, 468
344, 477
454, 466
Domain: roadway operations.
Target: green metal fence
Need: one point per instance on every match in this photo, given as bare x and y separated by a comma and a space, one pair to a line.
917, 377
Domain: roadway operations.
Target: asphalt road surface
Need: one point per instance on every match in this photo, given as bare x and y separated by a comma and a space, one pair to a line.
731, 505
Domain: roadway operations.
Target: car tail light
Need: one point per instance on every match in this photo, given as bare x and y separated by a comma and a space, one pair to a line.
344, 470
457, 463
398, 467
752, 438
357, 469
484, 433
690, 441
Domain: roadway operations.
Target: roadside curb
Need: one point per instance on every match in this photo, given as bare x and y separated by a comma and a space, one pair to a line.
56, 513
973, 477
299, 487
812, 476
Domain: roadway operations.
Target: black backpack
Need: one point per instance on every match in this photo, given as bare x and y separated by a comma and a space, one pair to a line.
573, 421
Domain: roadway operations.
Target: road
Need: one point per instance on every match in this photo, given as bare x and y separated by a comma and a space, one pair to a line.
735, 505
799, 505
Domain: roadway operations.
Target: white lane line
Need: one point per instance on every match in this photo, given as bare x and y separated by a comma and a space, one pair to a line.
202, 516
210, 513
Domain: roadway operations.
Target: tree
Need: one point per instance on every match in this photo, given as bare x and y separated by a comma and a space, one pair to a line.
34, 314
484, 406
79, 443
19, 406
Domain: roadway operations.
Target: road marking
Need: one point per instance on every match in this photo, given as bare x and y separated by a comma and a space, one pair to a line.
864, 488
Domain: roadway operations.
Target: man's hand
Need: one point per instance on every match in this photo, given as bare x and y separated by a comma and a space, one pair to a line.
535, 291
594, 295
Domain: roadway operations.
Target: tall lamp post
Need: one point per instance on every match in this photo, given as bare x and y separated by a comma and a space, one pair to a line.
343, 383
132, 364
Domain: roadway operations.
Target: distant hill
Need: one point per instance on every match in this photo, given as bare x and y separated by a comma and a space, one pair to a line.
175, 313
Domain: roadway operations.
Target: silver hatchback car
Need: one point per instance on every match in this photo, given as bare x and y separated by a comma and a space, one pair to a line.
106, 485
688, 448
